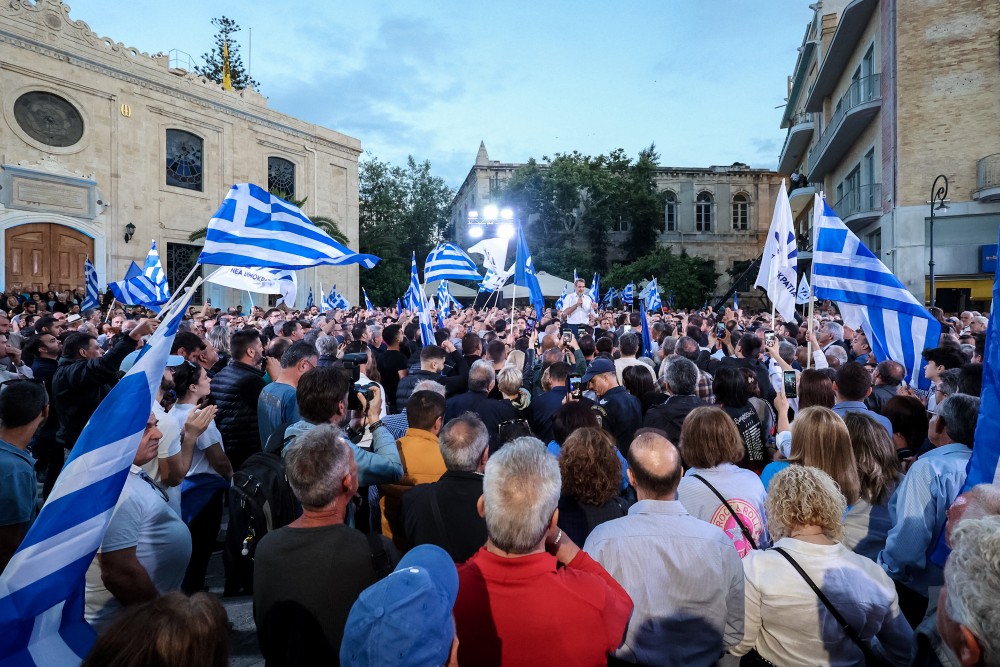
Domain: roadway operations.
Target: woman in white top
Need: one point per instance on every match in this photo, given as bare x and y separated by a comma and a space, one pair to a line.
785, 622
711, 446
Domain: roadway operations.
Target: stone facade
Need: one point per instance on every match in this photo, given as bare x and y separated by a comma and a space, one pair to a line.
930, 106
115, 173
740, 202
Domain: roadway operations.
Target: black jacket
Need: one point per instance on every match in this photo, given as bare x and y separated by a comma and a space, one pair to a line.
492, 411
760, 370
235, 390
669, 416
461, 531
453, 383
79, 386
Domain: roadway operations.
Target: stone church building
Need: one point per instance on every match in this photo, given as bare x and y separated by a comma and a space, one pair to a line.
104, 149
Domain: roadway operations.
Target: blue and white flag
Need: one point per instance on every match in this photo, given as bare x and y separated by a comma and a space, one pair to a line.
255, 228
804, 294
137, 290
445, 299
368, 303
628, 294
449, 262
736, 301
424, 313
41, 589
414, 293
256, 279
399, 306
647, 339
309, 299
560, 302
576, 276
651, 295
984, 467
153, 270
595, 288
335, 300
778, 273
524, 273
495, 280
92, 298
609, 298
897, 326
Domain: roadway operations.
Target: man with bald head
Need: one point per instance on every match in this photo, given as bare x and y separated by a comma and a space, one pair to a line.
682, 573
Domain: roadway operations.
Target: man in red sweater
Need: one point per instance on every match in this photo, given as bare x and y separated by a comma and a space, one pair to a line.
514, 606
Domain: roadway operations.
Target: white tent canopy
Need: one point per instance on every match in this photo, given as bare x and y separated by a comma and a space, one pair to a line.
458, 291
552, 287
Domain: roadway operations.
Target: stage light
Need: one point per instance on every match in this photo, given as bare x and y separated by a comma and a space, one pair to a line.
507, 214
505, 231
475, 232
490, 212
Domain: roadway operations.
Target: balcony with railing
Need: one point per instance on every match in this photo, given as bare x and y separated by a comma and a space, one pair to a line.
854, 111
861, 205
800, 131
988, 179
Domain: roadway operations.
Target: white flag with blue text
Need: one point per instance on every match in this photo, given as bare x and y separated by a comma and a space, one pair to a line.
778, 273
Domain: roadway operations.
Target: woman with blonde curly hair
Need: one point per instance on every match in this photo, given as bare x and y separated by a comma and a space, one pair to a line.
786, 623
591, 478
867, 522
820, 440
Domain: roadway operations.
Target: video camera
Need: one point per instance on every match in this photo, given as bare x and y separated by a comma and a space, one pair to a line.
351, 368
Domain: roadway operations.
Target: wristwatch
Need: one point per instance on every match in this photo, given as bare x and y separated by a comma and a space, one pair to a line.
375, 426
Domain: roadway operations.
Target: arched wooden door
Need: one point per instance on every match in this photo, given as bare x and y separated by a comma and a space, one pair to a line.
42, 254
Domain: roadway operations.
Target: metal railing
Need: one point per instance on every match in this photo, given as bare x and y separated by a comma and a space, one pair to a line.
988, 172
861, 199
863, 90
799, 118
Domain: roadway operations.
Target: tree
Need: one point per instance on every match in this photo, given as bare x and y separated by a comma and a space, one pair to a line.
692, 279
212, 70
402, 210
328, 225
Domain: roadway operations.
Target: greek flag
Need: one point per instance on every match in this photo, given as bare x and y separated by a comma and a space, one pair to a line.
609, 297
414, 294
560, 302
494, 280
868, 295
445, 299
399, 306
628, 294
92, 298
595, 288
136, 289
524, 274
255, 228
651, 294
368, 303
153, 270
984, 467
449, 262
309, 299
650, 286
779, 262
424, 313
335, 300
41, 589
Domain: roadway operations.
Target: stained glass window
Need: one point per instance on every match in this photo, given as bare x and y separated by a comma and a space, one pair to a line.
184, 160
281, 176
180, 259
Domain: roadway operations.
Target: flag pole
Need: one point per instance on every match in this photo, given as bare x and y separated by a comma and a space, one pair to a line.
250, 296
179, 289
812, 280
111, 309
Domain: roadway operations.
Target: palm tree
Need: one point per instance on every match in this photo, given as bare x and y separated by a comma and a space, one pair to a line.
324, 223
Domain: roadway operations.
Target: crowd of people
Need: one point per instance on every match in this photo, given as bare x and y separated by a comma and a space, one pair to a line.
526, 488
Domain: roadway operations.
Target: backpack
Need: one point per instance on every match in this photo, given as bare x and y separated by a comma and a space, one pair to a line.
260, 500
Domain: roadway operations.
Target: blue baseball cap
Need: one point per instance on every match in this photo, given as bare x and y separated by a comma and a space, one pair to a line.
598, 366
405, 619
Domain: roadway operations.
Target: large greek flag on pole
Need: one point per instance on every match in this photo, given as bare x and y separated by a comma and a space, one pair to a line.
779, 263
414, 294
137, 289
41, 590
628, 294
562, 299
255, 228
868, 295
91, 299
153, 270
449, 262
368, 303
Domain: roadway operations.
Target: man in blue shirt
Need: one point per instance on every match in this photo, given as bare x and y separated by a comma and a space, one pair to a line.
24, 405
917, 508
853, 386
276, 404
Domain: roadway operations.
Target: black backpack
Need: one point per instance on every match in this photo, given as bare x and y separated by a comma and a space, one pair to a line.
260, 500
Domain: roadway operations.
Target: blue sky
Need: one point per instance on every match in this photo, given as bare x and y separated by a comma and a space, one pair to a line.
700, 78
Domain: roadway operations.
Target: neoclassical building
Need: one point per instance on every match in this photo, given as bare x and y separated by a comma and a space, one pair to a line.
720, 213
105, 149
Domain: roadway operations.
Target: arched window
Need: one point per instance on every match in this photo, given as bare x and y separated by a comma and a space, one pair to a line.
184, 160
281, 176
741, 212
670, 212
703, 212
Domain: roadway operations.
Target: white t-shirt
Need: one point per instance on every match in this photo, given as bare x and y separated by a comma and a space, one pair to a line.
745, 494
211, 436
141, 519
170, 445
582, 314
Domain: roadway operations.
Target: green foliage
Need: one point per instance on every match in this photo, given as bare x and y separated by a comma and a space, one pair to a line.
692, 279
212, 70
328, 225
570, 203
401, 210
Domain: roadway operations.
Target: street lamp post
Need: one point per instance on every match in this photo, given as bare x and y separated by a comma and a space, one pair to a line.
939, 195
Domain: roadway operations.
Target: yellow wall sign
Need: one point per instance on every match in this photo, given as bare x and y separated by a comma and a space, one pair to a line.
126, 110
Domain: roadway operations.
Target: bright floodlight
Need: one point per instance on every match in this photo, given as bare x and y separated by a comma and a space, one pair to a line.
507, 214
473, 215
476, 232
490, 212
505, 231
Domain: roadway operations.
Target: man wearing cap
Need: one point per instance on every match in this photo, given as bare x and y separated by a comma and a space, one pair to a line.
620, 412
406, 619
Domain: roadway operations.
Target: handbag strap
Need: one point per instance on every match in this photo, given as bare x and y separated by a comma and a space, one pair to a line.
845, 626
746, 531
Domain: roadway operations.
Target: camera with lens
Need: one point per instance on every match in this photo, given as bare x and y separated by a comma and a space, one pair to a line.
351, 367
